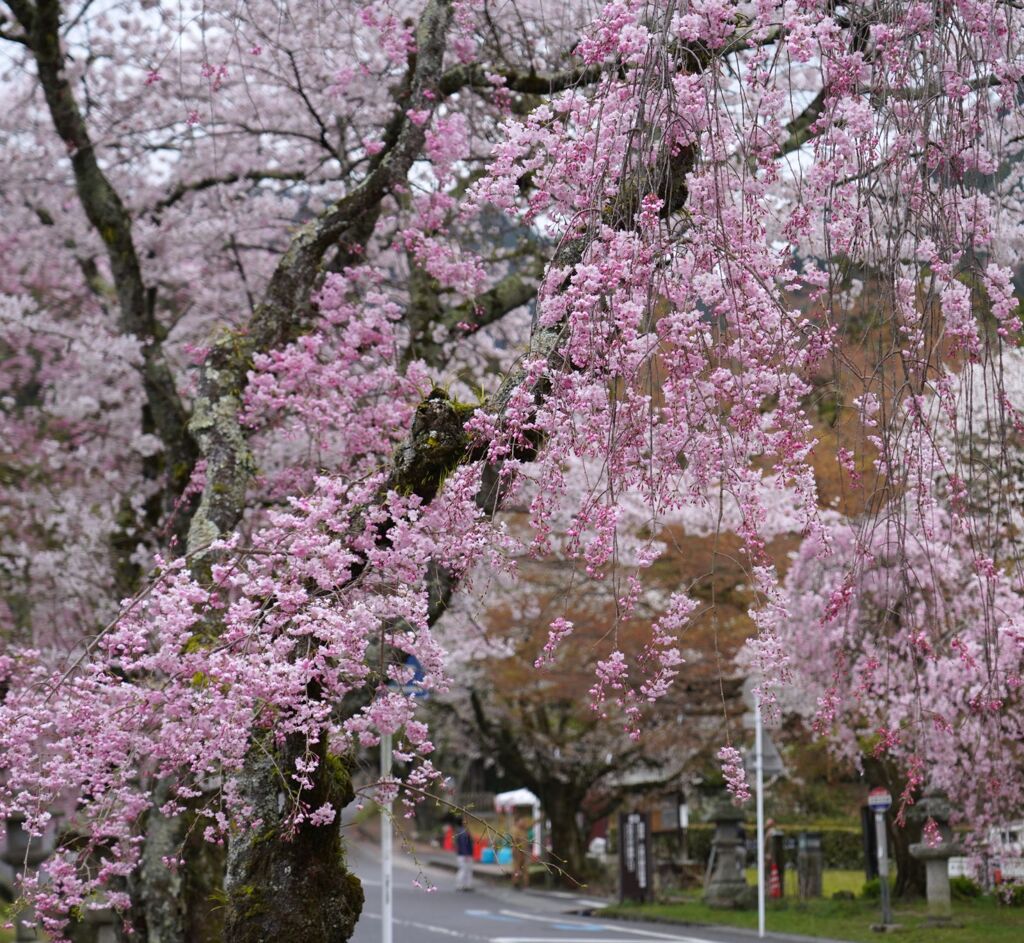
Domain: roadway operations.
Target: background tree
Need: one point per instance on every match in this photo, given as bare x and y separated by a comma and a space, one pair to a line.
539, 727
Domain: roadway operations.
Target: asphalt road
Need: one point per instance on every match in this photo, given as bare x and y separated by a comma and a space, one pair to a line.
499, 914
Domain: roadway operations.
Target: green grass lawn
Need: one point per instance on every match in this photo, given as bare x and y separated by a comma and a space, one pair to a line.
6, 936
980, 921
832, 881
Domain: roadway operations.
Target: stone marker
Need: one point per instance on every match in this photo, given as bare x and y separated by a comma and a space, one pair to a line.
810, 863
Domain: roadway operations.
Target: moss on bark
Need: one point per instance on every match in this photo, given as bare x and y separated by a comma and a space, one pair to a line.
291, 884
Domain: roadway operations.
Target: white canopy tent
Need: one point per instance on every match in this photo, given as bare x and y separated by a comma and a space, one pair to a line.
514, 799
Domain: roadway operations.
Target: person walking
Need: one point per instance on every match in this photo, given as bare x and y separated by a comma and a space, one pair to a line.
464, 851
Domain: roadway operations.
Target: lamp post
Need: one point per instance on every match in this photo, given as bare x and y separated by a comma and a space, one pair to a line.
768, 765
413, 688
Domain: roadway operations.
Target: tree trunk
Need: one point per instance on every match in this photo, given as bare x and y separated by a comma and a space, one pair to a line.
910, 872
203, 886
568, 843
285, 885
158, 895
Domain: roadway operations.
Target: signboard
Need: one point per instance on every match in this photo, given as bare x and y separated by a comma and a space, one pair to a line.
879, 800
1012, 869
413, 687
635, 857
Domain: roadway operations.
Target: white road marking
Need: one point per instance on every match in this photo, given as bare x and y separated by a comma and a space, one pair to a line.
650, 934
430, 928
585, 939
487, 915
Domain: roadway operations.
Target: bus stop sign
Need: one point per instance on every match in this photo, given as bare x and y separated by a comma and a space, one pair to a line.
879, 799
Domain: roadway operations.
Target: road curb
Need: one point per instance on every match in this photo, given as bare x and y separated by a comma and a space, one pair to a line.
743, 931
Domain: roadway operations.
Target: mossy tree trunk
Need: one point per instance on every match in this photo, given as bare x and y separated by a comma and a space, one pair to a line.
287, 883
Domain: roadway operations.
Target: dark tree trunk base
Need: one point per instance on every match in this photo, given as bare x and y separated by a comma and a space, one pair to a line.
291, 887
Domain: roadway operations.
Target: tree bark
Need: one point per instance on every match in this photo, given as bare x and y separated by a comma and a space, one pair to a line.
284, 883
910, 872
160, 886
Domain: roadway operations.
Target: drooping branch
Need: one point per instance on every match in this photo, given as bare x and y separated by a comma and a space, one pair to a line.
350, 221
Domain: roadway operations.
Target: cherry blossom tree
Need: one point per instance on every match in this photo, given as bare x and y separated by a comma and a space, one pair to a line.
913, 667
524, 647
370, 271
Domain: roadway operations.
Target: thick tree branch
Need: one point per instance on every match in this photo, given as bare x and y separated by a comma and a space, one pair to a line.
287, 297
10, 37
426, 313
799, 129
474, 75
98, 285
206, 183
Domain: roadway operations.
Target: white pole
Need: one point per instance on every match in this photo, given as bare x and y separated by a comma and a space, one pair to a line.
759, 766
882, 840
386, 863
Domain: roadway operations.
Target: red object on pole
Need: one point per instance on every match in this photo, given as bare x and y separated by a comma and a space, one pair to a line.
774, 884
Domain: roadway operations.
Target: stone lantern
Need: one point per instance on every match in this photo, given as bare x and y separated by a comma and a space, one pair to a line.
727, 884
935, 805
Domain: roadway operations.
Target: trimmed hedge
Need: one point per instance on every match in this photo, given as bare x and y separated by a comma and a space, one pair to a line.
842, 847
